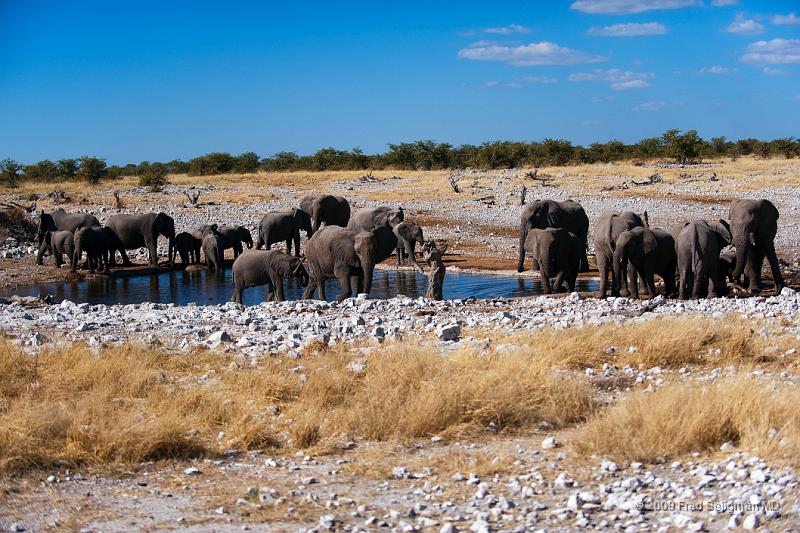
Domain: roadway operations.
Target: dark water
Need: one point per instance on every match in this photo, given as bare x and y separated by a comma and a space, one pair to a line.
198, 286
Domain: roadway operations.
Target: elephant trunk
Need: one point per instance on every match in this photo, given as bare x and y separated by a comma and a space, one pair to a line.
620, 259
523, 234
171, 251
76, 256
741, 241
368, 268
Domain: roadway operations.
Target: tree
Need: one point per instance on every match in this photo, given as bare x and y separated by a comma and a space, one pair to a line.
246, 163
42, 171
154, 177
92, 169
67, 169
682, 148
10, 172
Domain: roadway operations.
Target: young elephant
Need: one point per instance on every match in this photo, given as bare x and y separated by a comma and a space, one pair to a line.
699, 245
265, 267
284, 227
57, 243
234, 237
340, 252
408, 235
606, 231
558, 252
649, 251
214, 252
97, 242
188, 247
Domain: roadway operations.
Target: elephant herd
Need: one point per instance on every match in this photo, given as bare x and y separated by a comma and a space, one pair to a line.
339, 245
702, 255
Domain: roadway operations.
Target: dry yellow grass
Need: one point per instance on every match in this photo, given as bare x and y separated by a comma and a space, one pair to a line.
665, 342
131, 404
689, 417
745, 174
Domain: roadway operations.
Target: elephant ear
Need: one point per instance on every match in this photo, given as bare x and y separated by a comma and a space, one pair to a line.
404, 230
724, 229
442, 248
649, 242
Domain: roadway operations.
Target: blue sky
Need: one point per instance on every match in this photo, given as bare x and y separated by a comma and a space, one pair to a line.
132, 81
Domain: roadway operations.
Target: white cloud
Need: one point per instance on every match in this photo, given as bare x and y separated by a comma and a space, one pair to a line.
774, 52
508, 30
521, 82
631, 29
649, 106
769, 71
717, 69
745, 27
723, 3
533, 54
599, 99
538, 79
786, 20
618, 80
622, 7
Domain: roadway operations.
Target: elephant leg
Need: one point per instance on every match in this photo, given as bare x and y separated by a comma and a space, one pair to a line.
544, 274
571, 279
697, 289
125, 260
769, 250
309, 292
557, 284
343, 275
277, 287
633, 284
683, 284
289, 246
237, 294
296, 238
602, 269
59, 259
321, 289
152, 252
398, 250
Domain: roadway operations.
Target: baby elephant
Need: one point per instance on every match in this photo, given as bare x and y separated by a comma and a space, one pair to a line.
214, 251
96, 242
266, 267
558, 252
188, 247
699, 245
57, 243
649, 251
408, 235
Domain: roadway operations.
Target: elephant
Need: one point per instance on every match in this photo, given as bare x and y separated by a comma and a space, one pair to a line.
198, 234
543, 214
284, 227
340, 252
61, 220
369, 218
649, 252
214, 252
325, 209
754, 224
57, 243
234, 237
698, 247
188, 247
97, 242
266, 267
408, 235
605, 235
136, 231
558, 253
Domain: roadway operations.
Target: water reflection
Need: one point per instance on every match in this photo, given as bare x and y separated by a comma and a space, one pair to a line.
182, 287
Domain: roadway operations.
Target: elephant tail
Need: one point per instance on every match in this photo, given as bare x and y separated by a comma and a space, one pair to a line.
697, 254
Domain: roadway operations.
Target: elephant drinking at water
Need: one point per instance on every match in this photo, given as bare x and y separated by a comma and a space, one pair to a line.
136, 231
558, 252
341, 253
57, 243
284, 227
266, 267
61, 220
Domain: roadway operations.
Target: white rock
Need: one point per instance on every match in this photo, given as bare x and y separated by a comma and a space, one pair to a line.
219, 336
751, 522
448, 332
191, 471
550, 443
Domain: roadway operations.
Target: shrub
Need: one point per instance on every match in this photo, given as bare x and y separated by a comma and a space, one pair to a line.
154, 177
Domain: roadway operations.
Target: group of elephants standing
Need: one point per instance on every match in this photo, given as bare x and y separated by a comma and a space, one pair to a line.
703, 255
339, 245
698, 254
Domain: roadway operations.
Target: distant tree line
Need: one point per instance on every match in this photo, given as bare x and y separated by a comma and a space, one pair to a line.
673, 145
